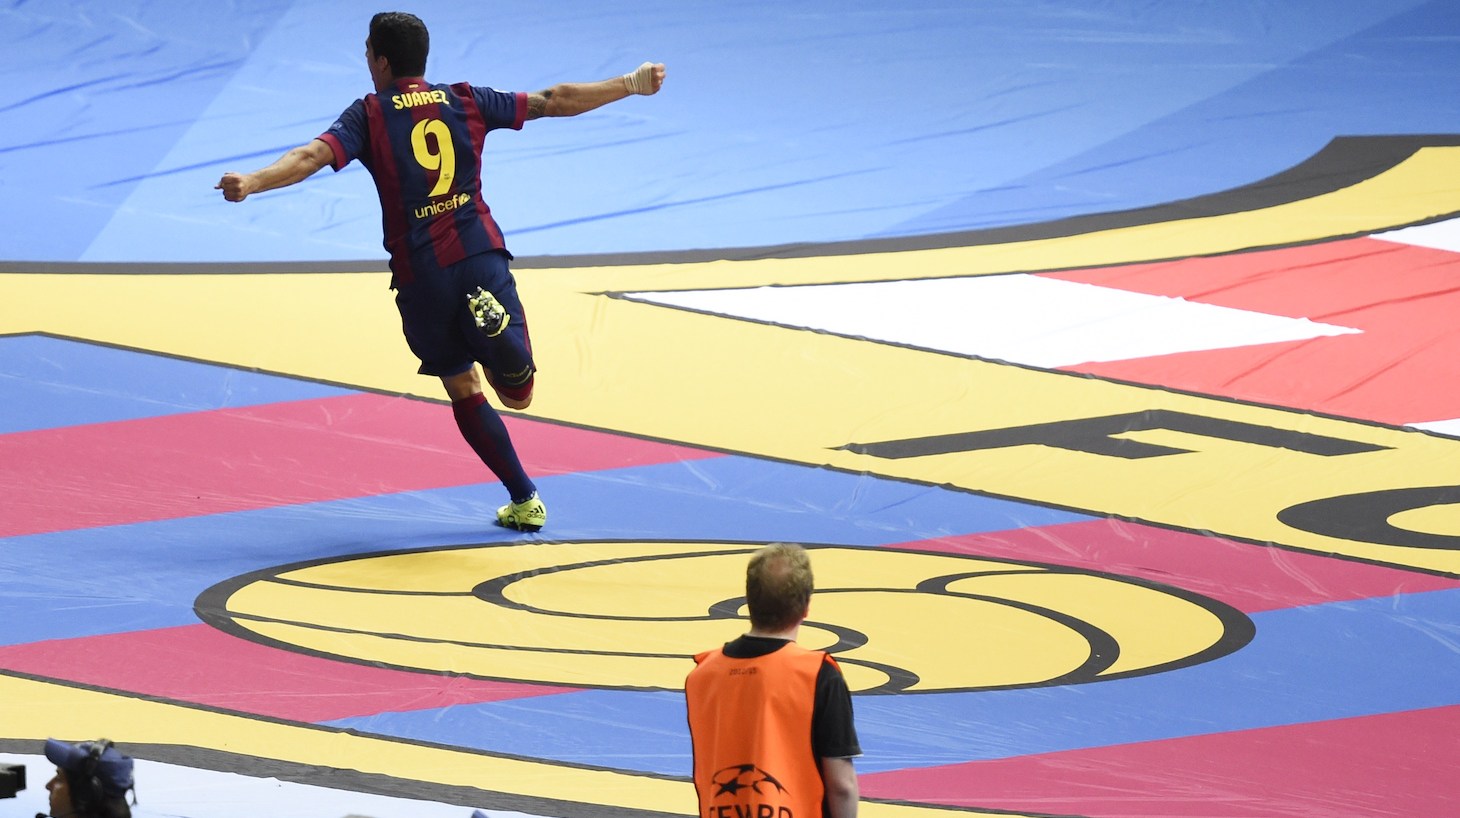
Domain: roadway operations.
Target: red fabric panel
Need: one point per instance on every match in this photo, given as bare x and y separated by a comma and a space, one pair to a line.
1403, 368
201, 665
271, 455
1368, 767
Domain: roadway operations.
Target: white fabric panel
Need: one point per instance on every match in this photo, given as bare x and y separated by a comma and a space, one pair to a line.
1439, 236
1025, 319
1440, 427
175, 791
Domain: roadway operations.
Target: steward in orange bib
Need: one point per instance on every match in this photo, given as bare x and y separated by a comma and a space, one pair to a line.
770, 721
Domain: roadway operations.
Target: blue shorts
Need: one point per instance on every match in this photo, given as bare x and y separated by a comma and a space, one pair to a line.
440, 329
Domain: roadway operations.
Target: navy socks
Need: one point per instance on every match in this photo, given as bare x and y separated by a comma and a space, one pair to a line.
487, 434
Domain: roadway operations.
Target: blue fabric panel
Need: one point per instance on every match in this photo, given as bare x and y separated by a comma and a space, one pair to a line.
1294, 81
47, 382
780, 123
109, 90
731, 498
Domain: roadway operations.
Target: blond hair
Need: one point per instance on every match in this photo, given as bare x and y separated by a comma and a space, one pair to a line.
778, 585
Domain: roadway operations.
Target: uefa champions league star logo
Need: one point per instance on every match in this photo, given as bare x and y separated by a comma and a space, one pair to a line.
732, 780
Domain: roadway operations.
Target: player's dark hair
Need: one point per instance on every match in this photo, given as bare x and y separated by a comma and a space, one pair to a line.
402, 39
778, 585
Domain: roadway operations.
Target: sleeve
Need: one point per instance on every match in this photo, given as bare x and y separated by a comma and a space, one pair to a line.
501, 109
833, 731
348, 135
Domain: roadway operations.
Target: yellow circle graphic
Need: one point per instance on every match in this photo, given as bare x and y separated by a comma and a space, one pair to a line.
631, 614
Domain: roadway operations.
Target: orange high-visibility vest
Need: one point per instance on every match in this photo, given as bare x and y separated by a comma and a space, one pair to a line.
750, 728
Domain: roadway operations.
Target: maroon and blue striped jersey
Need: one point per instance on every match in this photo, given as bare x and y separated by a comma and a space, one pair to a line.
423, 145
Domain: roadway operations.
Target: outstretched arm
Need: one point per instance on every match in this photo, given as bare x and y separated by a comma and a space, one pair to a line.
296, 165
573, 98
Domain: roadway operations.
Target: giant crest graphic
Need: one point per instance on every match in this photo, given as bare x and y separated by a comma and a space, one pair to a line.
632, 614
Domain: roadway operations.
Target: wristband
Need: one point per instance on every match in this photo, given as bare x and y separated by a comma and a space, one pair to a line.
640, 80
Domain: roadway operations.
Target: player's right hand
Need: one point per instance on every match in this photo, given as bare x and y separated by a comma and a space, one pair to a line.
234, 187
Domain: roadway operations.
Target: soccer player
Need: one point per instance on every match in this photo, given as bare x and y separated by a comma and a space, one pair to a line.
422, 143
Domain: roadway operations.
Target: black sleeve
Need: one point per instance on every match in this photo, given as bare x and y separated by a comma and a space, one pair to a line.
833, 734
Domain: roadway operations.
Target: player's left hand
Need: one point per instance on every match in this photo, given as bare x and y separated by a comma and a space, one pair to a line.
646, 79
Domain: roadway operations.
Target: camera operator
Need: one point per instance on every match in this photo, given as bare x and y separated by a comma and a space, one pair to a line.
92, 779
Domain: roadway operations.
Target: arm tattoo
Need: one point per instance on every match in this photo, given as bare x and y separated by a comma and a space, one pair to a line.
537, 104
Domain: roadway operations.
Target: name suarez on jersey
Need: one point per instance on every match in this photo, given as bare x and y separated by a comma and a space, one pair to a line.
411, 99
